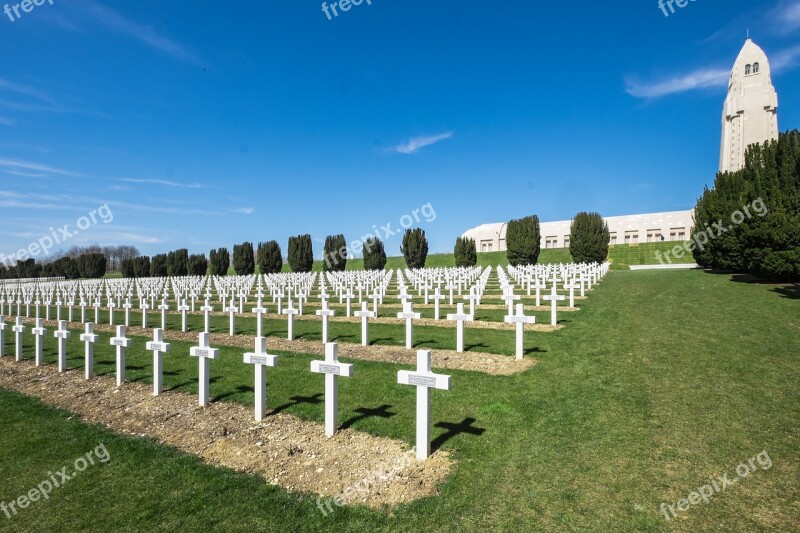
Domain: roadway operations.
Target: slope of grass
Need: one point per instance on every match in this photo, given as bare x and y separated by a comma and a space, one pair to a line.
667, 379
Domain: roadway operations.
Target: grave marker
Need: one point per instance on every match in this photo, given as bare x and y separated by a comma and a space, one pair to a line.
159, 348
121, 343
332, 369
62, 334
204, 352
520, 320
89, 338
261, 360
39, 332
18, 330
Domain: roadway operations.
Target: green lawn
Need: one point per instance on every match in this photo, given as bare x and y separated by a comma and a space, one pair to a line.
665, 379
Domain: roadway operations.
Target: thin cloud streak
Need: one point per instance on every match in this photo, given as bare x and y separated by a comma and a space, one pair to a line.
415, 144
14, 165
165, 183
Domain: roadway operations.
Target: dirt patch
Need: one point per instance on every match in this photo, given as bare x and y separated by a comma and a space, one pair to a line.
286, 451
487, 363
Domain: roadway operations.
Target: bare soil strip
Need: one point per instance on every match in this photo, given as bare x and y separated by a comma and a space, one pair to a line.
287, 452
487, 363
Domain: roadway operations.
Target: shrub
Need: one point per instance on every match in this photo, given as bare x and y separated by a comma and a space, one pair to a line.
335, 259
415, 248
589, 238
220, 262
374, 254
301, 253
198, 265
244, 259
270, 260
523, 241
158, 266
465, 252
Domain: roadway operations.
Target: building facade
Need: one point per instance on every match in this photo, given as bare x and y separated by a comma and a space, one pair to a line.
750, 113
631, 229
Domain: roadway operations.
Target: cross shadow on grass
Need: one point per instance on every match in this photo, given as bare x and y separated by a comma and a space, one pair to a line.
366, 412
239, 389
340, 337
455, 429
374, 342
297, 400
529, 351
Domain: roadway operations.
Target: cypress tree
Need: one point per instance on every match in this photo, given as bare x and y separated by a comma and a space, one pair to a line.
301, 253
415, 248
589, 238
270, 260
335, 259
220, 261
198, 265
523, 241
465, 252
374, 254
244, 260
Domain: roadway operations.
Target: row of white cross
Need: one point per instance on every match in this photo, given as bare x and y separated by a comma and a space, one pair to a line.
422, 378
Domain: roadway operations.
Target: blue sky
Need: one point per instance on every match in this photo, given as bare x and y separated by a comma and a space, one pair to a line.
203, 124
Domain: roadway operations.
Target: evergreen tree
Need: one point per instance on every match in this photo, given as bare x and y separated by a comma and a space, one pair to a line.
523, 241
220, 262
141, 267
178, 263
589, 238
270, 260
198, 265
126, 268
465, 252
415, 248
374, 254
335, 259
92, 266
301, 253
158, 266
244, 259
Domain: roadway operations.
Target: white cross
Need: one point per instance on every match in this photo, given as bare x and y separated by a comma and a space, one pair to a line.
89, 338
62, 334
259, 311
376, 297
510, 298
539, 285
206, 309
232, 310
279, 297
365, 314
111, 307
164, 307
83, 310
572, 286
520, 320
261, 360
204, 352
122, 343
325, 313
3, 327
437, 298
460, 317
348, 296
127, 306
554, 298
159, 348
332, 369
290, 312
97, 305
424, 380
145, 306
39, 332
18, 330
409, 315
472, 298
183, 308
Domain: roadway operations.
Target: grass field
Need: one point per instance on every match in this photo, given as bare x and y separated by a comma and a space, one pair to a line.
664, 380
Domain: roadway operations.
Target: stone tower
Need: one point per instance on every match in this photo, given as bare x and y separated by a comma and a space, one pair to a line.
750, 114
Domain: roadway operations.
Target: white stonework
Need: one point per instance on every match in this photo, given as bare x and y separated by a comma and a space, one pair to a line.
750, 113
631, 229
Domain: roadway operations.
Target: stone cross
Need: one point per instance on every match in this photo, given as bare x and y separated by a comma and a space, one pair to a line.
332, 369
290, 312
159, 348
460, 317
261, 360
39, 332
206, 309
183, 308
232, 310
121, 343
145, 306
554, 298
520, 320
164, 307
259, 311
127, 306
18, 330
437, 299
424, 380
409, 315
3, 327
326, 314
89, 338
204, 352
365, 314
62, 334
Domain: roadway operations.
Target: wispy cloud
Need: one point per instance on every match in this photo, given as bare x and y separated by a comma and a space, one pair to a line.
698, 79
785, 59
6, 121
166, 183
417, 143
141, 32
785, 17
243, 210
10, 165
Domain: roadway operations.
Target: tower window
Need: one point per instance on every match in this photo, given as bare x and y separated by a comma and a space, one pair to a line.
747, 70
755, 68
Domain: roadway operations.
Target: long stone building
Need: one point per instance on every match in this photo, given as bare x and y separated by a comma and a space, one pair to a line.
631, 229
750, 116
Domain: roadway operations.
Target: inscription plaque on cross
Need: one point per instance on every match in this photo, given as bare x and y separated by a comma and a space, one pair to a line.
62, 334
89, 338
